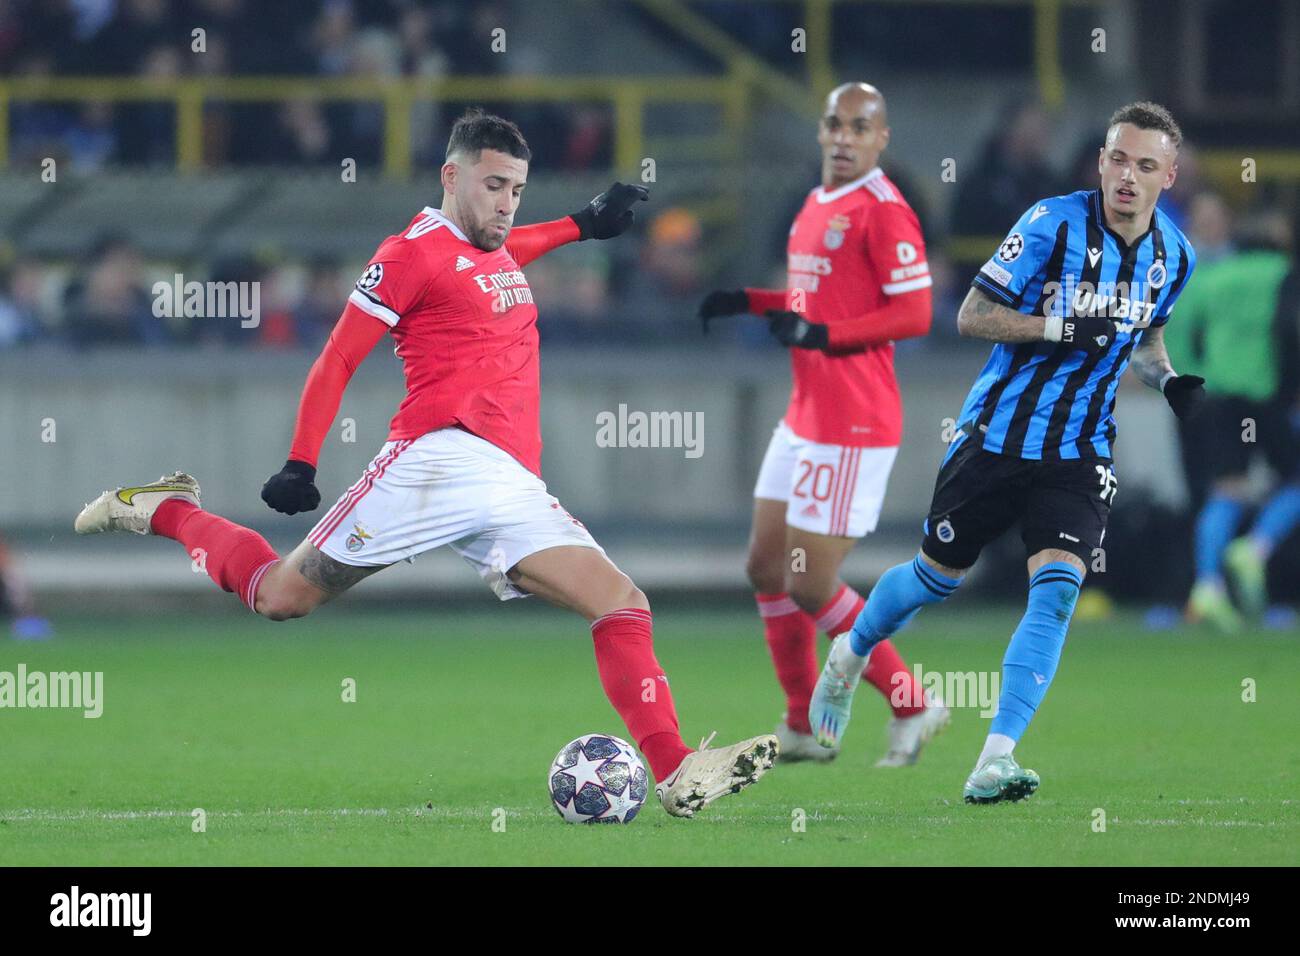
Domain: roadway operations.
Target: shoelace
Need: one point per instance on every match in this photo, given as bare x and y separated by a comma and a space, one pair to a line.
704, 744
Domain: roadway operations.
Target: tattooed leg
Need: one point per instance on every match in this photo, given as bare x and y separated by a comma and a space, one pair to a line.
304, 581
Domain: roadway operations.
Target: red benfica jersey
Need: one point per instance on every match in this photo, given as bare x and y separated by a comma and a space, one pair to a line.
850, 249
466, 332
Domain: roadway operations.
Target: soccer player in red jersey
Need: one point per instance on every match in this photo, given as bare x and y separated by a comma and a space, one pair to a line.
462, 464
857, 281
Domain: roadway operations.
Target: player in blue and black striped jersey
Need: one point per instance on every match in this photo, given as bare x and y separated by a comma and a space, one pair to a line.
1078, 291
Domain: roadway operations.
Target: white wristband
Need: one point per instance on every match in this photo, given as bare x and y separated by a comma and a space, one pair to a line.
1166, 377
1053, 326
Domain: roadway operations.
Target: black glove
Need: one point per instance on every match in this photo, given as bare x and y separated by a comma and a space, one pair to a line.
720, 303
794, 331
1185, 393
1088, 333
610, 213
292, 488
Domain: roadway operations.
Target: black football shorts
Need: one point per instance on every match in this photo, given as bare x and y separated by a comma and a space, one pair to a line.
979, 495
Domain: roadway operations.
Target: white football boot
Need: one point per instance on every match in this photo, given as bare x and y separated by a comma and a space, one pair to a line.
706, 775
907, 735
832, 699
131, 509
796, 746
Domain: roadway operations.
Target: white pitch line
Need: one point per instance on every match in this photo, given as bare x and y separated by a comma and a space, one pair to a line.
71, 816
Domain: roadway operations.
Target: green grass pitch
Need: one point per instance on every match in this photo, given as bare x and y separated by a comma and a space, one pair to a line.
459, 714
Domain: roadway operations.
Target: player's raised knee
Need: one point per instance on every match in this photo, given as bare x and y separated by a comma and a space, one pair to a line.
278, 605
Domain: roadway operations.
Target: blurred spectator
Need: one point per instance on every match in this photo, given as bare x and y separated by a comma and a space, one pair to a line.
671, 259
1242, 316
148, 130
16, 606
109, 304
1011, 173
661, 295
321, 304
1210, 232
20, 303
1209, 227
1176, 201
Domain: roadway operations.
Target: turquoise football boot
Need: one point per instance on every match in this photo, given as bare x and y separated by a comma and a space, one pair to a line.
998, 779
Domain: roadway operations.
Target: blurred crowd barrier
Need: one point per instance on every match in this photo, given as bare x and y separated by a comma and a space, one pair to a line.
72, 426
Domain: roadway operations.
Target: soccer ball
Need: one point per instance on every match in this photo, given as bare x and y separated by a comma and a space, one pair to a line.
598, 778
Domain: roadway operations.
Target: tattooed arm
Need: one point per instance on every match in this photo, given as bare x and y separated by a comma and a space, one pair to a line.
1150, 361
982, 318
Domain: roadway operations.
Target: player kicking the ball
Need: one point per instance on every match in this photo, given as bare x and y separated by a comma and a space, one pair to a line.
857, 282
1081, 287
461, 466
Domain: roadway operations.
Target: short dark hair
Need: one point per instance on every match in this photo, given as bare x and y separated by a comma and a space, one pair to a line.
1147, 115
477, 130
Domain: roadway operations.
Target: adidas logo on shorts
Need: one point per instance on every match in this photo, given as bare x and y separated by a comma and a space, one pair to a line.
462, 263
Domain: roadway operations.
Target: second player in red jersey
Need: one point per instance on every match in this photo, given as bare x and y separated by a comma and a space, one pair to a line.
854, 254
857, 280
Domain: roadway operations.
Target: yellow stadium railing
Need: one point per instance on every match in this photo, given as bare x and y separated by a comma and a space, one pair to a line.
628, 96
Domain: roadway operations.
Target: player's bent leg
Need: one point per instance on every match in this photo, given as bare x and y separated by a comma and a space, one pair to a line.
302, 582
1030, 663
835, 606
238, 559
586, 581
234, 557
579, 579
897, 597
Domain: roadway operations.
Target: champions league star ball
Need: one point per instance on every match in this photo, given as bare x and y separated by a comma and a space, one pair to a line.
598, 779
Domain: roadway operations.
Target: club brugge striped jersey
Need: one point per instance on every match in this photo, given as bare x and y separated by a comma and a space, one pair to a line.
1041, 400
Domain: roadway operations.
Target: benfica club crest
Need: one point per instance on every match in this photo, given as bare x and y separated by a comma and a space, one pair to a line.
357, 539
835, 230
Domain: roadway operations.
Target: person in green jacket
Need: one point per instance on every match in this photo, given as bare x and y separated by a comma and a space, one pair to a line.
1238, 327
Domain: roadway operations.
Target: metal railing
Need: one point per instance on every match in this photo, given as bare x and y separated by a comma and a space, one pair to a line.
628, 97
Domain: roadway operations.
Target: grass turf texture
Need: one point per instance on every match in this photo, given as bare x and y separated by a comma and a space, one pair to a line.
464, 711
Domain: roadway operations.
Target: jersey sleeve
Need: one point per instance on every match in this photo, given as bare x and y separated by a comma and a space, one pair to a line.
351, 340
896, 249
393, 282
1021, 256
1187, 262
527, 243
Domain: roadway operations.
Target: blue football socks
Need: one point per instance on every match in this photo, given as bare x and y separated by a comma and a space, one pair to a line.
901, 591
1035, 648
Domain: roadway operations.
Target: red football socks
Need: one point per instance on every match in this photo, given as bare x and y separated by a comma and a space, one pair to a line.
792, 640
234, 556
885, 669
637, 687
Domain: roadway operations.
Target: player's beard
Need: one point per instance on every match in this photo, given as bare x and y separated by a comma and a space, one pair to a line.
485, 237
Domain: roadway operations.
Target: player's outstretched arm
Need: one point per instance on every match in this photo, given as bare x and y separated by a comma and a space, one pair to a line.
608, 215
1152, 367
293, 488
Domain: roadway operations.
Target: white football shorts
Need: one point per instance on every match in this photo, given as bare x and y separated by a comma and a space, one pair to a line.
828, 489
448, 487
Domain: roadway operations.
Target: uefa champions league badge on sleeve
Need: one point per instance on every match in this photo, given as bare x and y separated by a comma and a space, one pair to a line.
373, 275
1011, 247
835, 230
